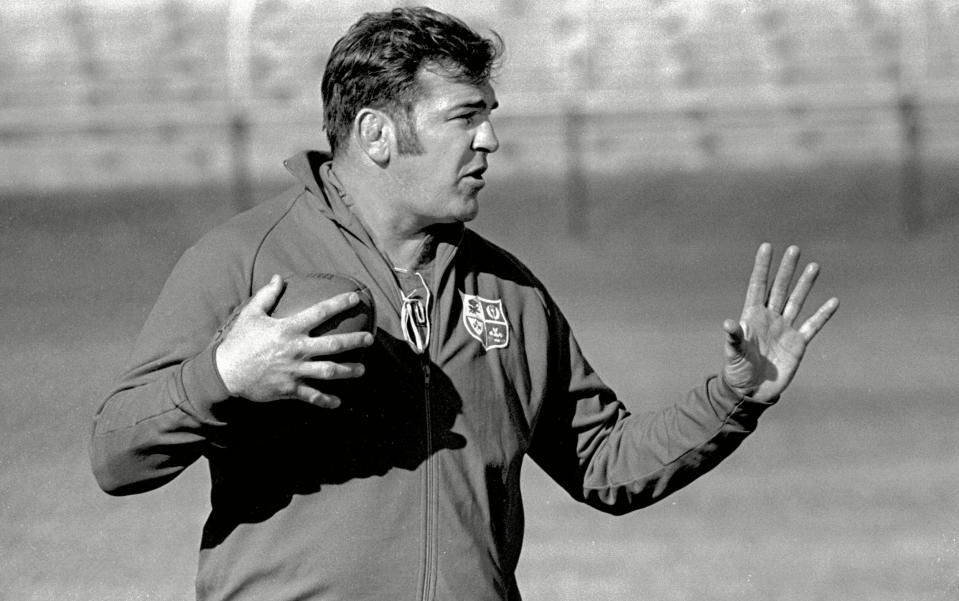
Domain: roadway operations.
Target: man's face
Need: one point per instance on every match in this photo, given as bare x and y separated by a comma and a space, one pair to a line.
451, 121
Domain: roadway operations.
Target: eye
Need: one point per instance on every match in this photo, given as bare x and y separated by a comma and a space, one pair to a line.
468, 118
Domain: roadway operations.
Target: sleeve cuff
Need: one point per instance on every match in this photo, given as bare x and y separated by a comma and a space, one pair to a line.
743, 409
202, 386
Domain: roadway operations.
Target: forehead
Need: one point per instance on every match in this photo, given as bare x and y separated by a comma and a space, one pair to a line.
440, 92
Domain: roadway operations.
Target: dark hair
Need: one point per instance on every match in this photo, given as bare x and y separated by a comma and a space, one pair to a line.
375, 65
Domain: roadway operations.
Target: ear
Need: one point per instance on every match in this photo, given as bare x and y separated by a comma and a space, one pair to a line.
374, 132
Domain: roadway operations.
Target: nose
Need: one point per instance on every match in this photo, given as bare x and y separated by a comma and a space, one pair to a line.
485, 139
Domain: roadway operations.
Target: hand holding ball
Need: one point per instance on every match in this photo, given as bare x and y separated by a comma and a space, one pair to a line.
297, 340
301, 292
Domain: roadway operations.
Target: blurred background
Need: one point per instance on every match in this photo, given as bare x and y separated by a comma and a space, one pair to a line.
647, 147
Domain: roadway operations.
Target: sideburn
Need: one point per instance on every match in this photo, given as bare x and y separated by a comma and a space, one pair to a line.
407, 141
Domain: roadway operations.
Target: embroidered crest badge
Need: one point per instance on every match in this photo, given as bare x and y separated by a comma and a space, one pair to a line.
485, 321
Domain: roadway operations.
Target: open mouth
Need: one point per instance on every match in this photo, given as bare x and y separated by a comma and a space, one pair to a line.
475, 174
475, 180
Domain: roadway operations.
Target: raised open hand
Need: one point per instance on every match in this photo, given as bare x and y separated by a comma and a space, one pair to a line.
763, 350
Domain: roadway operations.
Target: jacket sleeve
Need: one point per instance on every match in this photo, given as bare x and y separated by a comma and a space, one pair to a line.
615, 461
159, 416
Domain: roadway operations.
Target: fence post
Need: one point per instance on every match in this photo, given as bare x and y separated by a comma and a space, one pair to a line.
577, 188
575, 44
84, 44
910, 71
239, 47
912, 212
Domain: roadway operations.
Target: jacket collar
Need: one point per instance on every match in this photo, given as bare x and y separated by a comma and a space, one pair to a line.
313, 169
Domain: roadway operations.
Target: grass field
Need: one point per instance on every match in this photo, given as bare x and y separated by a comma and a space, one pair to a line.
847, 491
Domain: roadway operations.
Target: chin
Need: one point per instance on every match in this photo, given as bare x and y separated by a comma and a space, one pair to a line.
471, 212
464, 209
463, 217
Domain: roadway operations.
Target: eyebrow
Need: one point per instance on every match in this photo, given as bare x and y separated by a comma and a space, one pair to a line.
479, 104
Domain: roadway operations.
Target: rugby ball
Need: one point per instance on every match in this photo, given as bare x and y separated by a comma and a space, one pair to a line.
303, 291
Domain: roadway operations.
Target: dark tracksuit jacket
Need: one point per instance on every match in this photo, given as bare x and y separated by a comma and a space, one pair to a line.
410, 490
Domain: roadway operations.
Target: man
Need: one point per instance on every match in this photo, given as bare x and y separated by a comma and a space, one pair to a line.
405, 485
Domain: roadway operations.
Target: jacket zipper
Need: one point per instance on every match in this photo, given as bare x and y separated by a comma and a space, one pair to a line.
432, 467
429, 509
431, 498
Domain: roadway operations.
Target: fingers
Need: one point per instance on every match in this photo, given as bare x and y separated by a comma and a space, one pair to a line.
314, 373
332, 344
329, 370
780, 300
784, 276
317, 398
799, 294
314, 315
265, 298
814, 324
756, 291
325, 371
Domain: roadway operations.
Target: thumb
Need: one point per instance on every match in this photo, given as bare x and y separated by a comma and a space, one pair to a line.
265, 298
735, 337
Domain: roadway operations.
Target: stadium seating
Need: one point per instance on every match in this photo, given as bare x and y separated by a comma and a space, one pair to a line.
123, 93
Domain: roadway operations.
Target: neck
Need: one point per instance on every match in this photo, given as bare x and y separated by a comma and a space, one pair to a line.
406, 252
402, 239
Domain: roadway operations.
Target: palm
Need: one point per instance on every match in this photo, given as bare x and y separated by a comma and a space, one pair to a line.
764, 349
